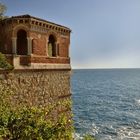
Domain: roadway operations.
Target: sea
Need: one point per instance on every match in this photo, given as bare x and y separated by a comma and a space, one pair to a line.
106, 103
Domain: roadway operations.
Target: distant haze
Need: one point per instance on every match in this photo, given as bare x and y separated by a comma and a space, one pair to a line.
105, 33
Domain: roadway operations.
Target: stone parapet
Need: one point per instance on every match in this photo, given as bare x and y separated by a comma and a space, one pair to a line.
38, 62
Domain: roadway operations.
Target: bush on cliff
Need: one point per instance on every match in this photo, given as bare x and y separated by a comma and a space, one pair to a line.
31, 124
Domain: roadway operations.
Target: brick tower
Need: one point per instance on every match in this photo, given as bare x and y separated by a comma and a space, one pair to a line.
30, 42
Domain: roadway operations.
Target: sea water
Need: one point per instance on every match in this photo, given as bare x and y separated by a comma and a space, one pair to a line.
106, 103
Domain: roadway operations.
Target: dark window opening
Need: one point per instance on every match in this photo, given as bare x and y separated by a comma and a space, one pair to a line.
22, 48
52, 46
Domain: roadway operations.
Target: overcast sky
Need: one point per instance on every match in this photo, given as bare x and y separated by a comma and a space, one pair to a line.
105, 33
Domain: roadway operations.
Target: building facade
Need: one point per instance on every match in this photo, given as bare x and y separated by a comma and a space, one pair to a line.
34, 43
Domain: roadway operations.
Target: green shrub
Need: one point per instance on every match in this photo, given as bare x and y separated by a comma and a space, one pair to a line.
3, 63
2, 11
31, 124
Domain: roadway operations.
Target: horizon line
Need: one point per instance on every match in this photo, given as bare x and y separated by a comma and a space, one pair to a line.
105, 68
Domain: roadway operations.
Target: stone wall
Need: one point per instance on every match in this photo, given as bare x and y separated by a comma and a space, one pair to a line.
40, 88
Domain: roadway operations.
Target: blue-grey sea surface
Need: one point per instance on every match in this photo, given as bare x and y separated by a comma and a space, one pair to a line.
106, 103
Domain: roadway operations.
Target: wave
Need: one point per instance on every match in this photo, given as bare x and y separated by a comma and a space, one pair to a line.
77, 136
108, 132
138, 102
121, 133
128, 133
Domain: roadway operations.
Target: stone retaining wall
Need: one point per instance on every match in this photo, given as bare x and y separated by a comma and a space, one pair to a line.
40, 88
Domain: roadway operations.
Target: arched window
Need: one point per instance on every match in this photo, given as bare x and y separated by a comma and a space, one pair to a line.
52, 46
22, 47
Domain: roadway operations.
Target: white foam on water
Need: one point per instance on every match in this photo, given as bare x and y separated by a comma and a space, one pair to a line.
121, 133
128, 133
138, 102
94, 129
77, 136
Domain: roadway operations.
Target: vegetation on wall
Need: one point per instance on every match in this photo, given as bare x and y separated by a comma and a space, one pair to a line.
4, 64
30, 123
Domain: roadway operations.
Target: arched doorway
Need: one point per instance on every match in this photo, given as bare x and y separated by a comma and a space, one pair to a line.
52, 46
22, 47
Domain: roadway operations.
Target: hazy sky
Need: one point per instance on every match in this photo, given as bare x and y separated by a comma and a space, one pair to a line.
105, 33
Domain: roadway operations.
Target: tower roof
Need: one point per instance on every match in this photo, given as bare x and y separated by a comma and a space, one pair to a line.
39, 19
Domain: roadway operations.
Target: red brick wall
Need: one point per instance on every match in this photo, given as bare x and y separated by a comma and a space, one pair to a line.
50, 60
64, 47
6, 39
39, 43
25, 60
